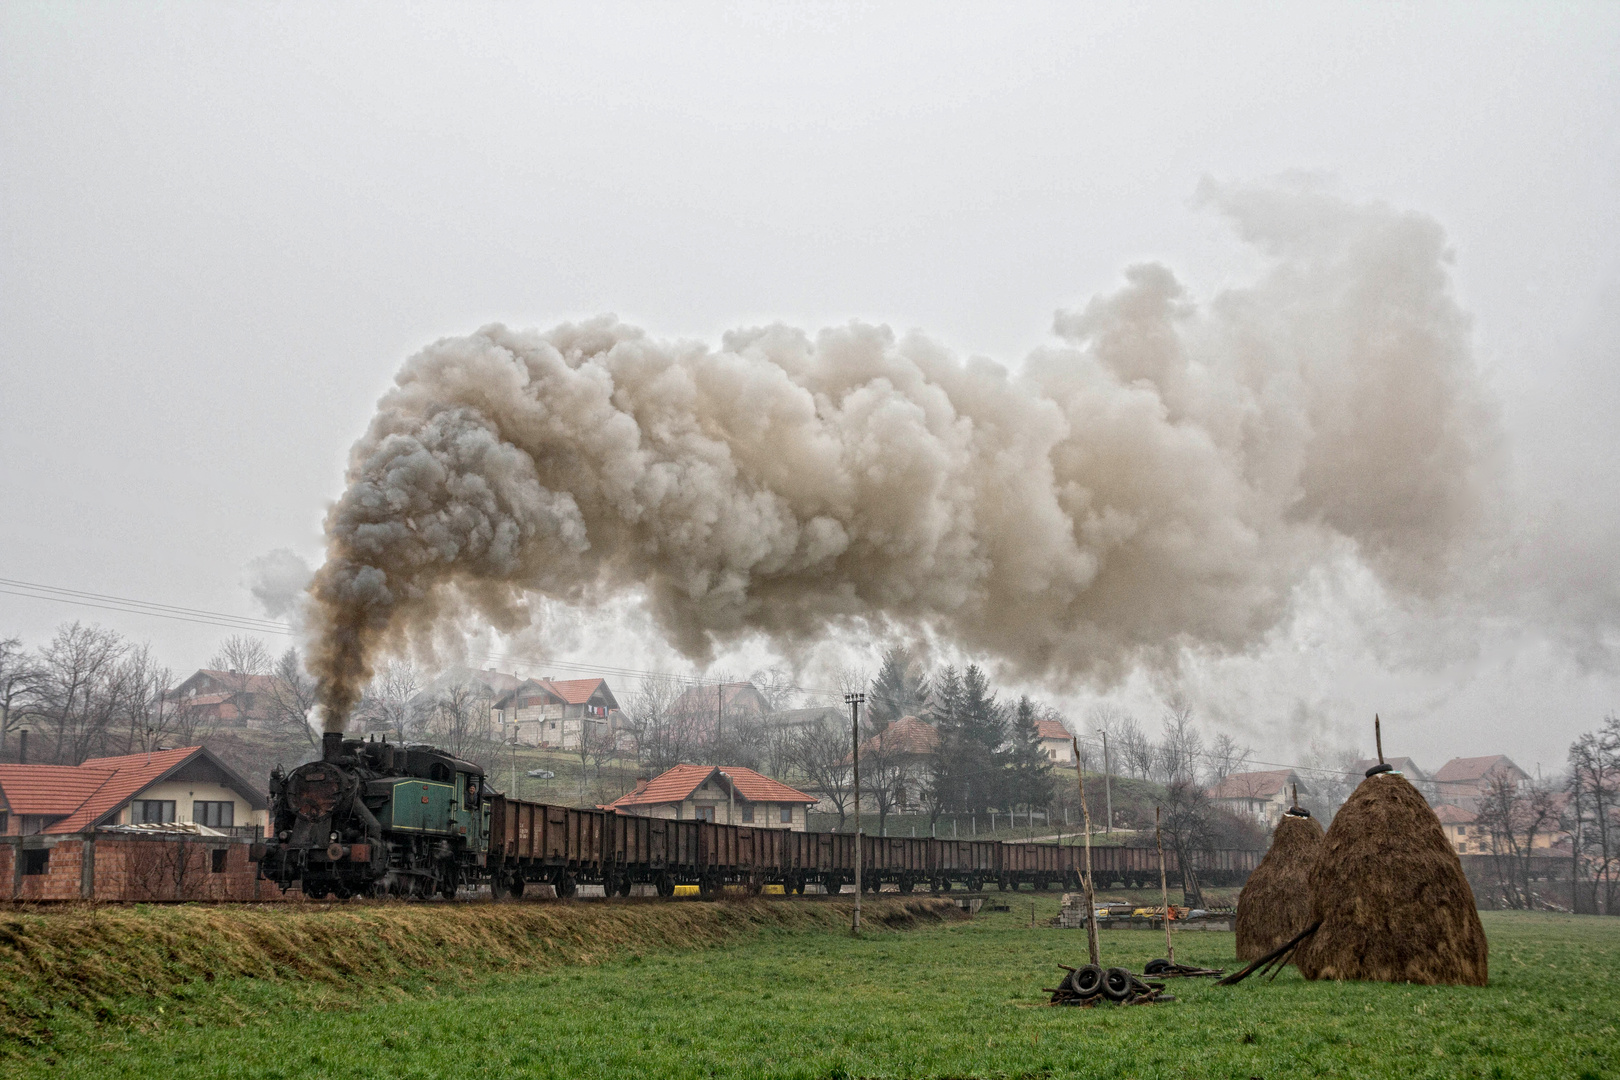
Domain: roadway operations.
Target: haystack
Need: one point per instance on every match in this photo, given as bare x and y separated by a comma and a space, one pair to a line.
1390, 894
1275, 903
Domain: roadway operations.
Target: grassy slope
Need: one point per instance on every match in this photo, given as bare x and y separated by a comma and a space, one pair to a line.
960, 1000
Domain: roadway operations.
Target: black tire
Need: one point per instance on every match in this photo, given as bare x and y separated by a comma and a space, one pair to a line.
1156, 967
1117, 984
1086, 981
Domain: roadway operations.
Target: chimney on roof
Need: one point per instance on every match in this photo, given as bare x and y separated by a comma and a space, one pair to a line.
641, 783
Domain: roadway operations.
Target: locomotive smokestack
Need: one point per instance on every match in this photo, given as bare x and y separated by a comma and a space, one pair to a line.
331, 745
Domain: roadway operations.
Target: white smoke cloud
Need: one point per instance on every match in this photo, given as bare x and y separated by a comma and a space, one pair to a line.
278, 580
1160, 480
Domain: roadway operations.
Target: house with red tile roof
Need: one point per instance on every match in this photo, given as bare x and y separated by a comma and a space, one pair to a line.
1055, 741
1464, 781
906, 737
557, 713
1259, 796
722, 793
226, 698
187, 786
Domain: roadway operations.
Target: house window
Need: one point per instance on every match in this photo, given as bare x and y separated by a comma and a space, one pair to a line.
151, 812
215, 815
37, 861
5, 821
703, 813
787, 815
218, 856
748, 813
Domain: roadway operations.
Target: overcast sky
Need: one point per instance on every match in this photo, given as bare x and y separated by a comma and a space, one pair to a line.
223, 226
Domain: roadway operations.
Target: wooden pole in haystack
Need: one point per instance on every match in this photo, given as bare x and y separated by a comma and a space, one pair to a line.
1378, 739
1164, 890
1092, 943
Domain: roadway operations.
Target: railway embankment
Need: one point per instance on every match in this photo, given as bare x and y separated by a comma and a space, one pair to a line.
87, 963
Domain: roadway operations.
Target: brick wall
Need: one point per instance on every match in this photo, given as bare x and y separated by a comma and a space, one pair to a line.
138, 868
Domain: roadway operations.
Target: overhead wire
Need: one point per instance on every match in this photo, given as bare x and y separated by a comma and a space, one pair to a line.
254, 624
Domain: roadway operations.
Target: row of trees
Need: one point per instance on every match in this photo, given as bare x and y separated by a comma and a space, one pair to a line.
91, 692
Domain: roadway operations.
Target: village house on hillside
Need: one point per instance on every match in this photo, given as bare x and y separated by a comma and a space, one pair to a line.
225, 698
723, 793
701, 709
184, 787
557, 713
1056, 742
1465, 781
1259, 796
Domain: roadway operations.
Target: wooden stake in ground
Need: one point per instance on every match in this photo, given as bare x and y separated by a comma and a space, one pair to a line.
1085, 879
1378, 739
1164, 890
854, 701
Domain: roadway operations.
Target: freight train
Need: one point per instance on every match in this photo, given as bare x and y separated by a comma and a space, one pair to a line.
374, 819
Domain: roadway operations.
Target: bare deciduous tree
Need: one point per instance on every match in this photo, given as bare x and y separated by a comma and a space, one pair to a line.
1226, 757
460, 724
662, 736
390, 702
1137, 753
1182, 749
822, 755
292, 700
240, 654
1513, 815
77, 695
19, 674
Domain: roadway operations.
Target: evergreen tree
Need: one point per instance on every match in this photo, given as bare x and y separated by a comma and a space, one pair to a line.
900, 689
1031, 779
950, 771
984, 757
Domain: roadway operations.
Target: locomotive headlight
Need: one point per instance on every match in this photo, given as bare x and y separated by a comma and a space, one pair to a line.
335, 838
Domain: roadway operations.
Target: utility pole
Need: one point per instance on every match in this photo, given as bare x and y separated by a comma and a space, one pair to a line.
1164, 890
854, 702
1108, 787
1092, 944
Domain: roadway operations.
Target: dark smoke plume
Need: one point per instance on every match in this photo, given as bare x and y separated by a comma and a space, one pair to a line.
1161, 479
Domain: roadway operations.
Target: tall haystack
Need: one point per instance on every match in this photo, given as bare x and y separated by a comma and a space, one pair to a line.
1275, 903
1390, 894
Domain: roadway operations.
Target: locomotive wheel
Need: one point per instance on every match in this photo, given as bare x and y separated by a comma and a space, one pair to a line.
906, 885
497, 885
567, 887
448, 889
517, 885
625, 885
315, 892
665, 885
378, 889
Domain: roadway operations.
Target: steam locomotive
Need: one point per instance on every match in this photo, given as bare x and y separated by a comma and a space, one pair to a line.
374, 819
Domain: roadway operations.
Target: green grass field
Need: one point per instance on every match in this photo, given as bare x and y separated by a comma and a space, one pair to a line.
959, 1000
